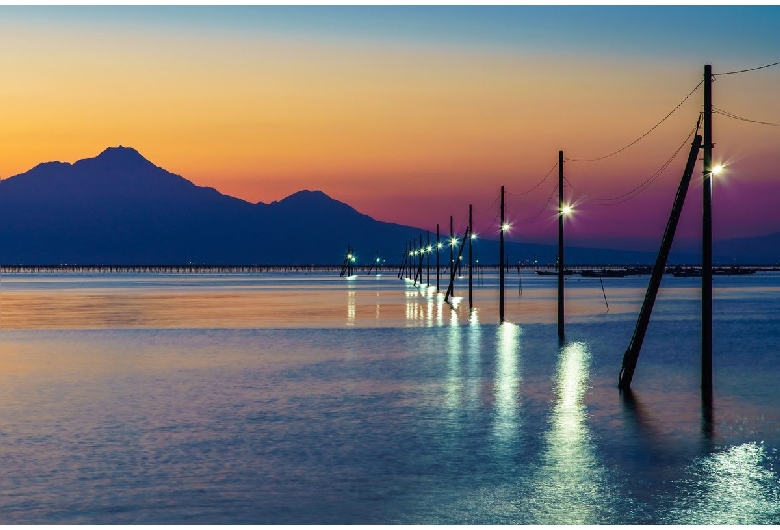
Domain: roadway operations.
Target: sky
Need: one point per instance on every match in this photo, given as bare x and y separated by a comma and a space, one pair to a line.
410, 114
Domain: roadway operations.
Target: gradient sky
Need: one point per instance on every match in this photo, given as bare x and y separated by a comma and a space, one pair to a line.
409, 113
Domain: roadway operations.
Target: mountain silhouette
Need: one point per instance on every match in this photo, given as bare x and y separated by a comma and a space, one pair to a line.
118, 208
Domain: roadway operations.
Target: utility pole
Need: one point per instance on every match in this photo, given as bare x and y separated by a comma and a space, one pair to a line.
706, 242
471, 260
437, 257
452, 260
561, 334
428, 254
501, 263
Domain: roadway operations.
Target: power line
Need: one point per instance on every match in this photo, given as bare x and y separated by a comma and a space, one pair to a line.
613, 201
537, 184
654, 127
747, 69
722, 112
541, 210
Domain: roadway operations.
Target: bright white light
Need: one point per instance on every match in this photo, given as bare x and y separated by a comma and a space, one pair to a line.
567, 209
473, 236
438, 245
505, 227
717, 169
429, 249
349, 256
454, 242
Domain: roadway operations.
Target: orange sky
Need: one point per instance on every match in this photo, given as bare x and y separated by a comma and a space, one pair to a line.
373, 122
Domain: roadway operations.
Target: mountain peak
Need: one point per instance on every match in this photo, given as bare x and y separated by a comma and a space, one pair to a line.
122, 153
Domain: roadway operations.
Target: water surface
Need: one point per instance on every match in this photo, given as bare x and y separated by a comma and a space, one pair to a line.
314, 399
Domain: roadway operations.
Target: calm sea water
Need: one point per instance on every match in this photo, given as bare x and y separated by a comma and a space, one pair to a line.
314, 399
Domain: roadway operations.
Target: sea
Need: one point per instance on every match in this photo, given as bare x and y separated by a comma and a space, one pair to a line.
309, 398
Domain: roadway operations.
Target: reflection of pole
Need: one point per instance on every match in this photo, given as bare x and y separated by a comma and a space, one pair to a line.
631, 356
560, 246
706, 242
437, 257
501, 263
471, 261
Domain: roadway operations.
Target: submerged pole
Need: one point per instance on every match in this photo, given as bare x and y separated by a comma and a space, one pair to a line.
471, 261
561, 334
428, 256
452, 259
706, 241
501, 262
437, 257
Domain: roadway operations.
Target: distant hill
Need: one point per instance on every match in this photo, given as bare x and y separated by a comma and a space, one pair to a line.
120, 209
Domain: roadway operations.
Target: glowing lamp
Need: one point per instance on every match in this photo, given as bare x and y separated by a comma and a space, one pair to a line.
505, 227
566, 210
717, 169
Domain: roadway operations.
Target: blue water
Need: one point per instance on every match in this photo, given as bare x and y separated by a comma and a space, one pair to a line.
311, 399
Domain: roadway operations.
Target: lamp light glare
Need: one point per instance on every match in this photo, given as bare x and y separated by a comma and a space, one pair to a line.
566, 210
505, 227
717, 169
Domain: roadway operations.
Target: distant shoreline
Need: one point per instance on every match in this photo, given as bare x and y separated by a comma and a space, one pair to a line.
306, 269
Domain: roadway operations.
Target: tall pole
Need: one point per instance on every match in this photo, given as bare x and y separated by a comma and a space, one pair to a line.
452, 258
428, 254
437, 257
471, 261
561, 334
706, 243
501, 263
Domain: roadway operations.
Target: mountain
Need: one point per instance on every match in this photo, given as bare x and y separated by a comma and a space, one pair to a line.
118, 208
759, 250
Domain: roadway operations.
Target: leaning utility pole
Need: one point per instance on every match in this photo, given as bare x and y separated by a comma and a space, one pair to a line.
631, 356
560, 246
706, 241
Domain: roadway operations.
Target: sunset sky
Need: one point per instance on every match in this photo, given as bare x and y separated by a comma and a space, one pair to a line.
409, 113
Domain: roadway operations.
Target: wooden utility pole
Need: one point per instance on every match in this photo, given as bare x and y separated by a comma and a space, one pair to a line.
631, 356
428, 264
437, 257
471, 260
561, 334
452, 260
501, 263
706, 241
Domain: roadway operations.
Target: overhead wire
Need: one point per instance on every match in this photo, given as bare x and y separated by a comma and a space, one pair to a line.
748, 69
654, 127
722, 112
535, 185
541, 210
619, 199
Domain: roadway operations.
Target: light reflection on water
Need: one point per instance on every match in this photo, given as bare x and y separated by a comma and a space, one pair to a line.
508, 378
229, 400
568, 485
